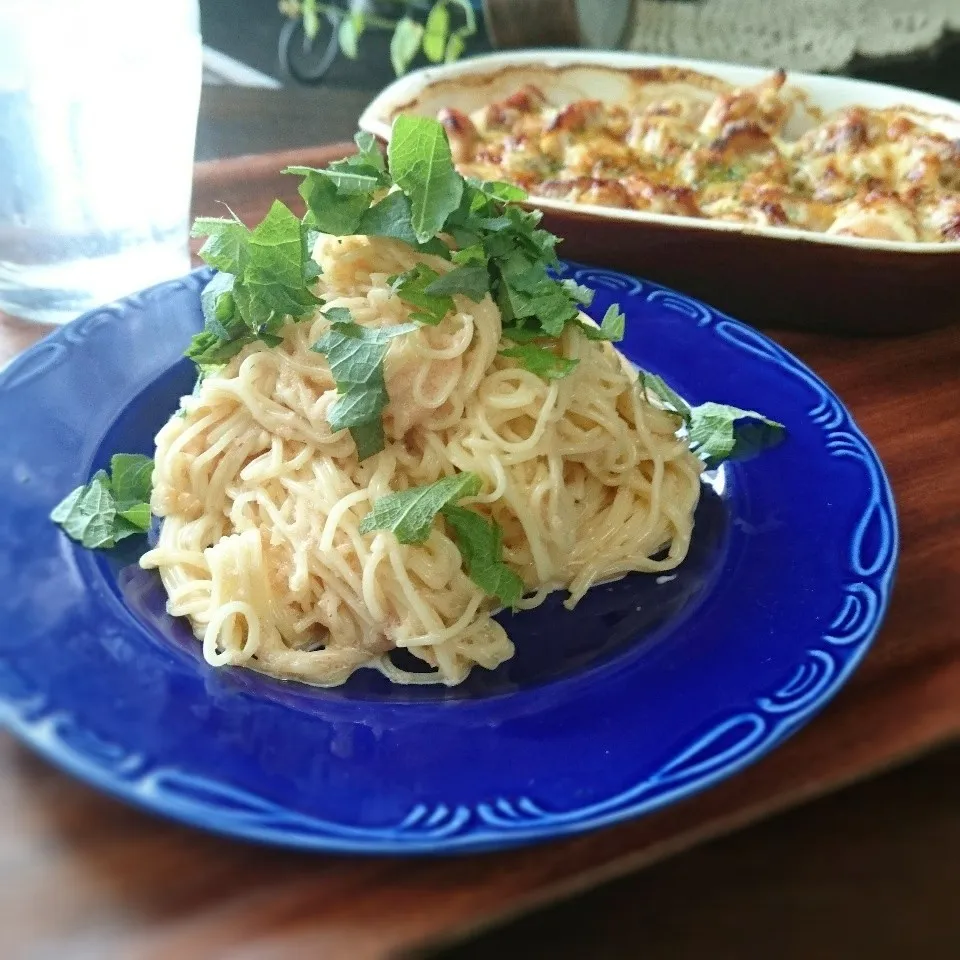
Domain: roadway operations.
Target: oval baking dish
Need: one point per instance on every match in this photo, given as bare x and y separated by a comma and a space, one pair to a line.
772, 276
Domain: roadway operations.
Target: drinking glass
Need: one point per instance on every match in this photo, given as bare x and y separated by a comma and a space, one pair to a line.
98, 115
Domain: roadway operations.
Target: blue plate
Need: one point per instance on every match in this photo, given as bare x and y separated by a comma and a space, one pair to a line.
652, 689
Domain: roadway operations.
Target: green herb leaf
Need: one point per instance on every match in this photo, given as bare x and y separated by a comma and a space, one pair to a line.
544, 363
611, 327
105, 510
409, 515
718, 433
208, 351
368, 151
583, 295
651, 383
87, 515
435, 34
411, 286
404, 44
470, 279
422, 166
270, 281
391, 217
329, 210
131, 480
218, 306
226, 244
355, 355
498, 190
480, 542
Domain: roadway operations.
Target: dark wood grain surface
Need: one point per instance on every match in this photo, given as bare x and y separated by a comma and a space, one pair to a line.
86, 877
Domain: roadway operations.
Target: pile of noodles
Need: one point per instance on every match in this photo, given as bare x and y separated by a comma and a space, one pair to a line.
261, 501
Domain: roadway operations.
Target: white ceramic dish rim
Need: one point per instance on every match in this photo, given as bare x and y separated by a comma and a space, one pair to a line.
837, 90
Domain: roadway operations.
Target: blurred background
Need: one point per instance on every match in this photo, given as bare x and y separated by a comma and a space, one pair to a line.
913, 43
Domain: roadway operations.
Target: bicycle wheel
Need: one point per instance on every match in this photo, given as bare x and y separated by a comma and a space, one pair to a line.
304, 60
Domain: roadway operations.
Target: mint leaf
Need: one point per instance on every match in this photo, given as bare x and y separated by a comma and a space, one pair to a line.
583, 295
218, 306
544, 363
611, 327
480, 543
226, 244
422, 166
411, 286
391, 217
270, 281
651, 383
410, 514
105, 510
329, 210
138, 516
355, 355
368, 438
208, 351
470, 279
498, 190
87, 515
718, 433
368, 151
131, 480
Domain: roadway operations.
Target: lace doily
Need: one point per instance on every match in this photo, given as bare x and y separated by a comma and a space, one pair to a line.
808, 35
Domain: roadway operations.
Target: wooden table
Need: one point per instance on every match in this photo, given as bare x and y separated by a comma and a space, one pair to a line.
871, 873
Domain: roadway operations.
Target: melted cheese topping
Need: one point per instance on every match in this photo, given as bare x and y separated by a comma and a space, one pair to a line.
877, 174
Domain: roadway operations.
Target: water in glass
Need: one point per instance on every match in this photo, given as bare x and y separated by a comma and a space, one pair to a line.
98, 111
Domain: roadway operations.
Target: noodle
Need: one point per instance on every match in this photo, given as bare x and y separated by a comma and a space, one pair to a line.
261, 501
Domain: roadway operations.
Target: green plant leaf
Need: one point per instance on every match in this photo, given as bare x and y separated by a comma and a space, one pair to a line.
106, 510
541, 361
718, 433
368, 151
480, 542
455, 47
611, 327
311, 19
329, 210
226, 245
409, 515
470, 279
131, 480
404, 44
391, 217
349, 33
421, 165
435, 32
651, 383
87, 515
411, 286
355, 355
